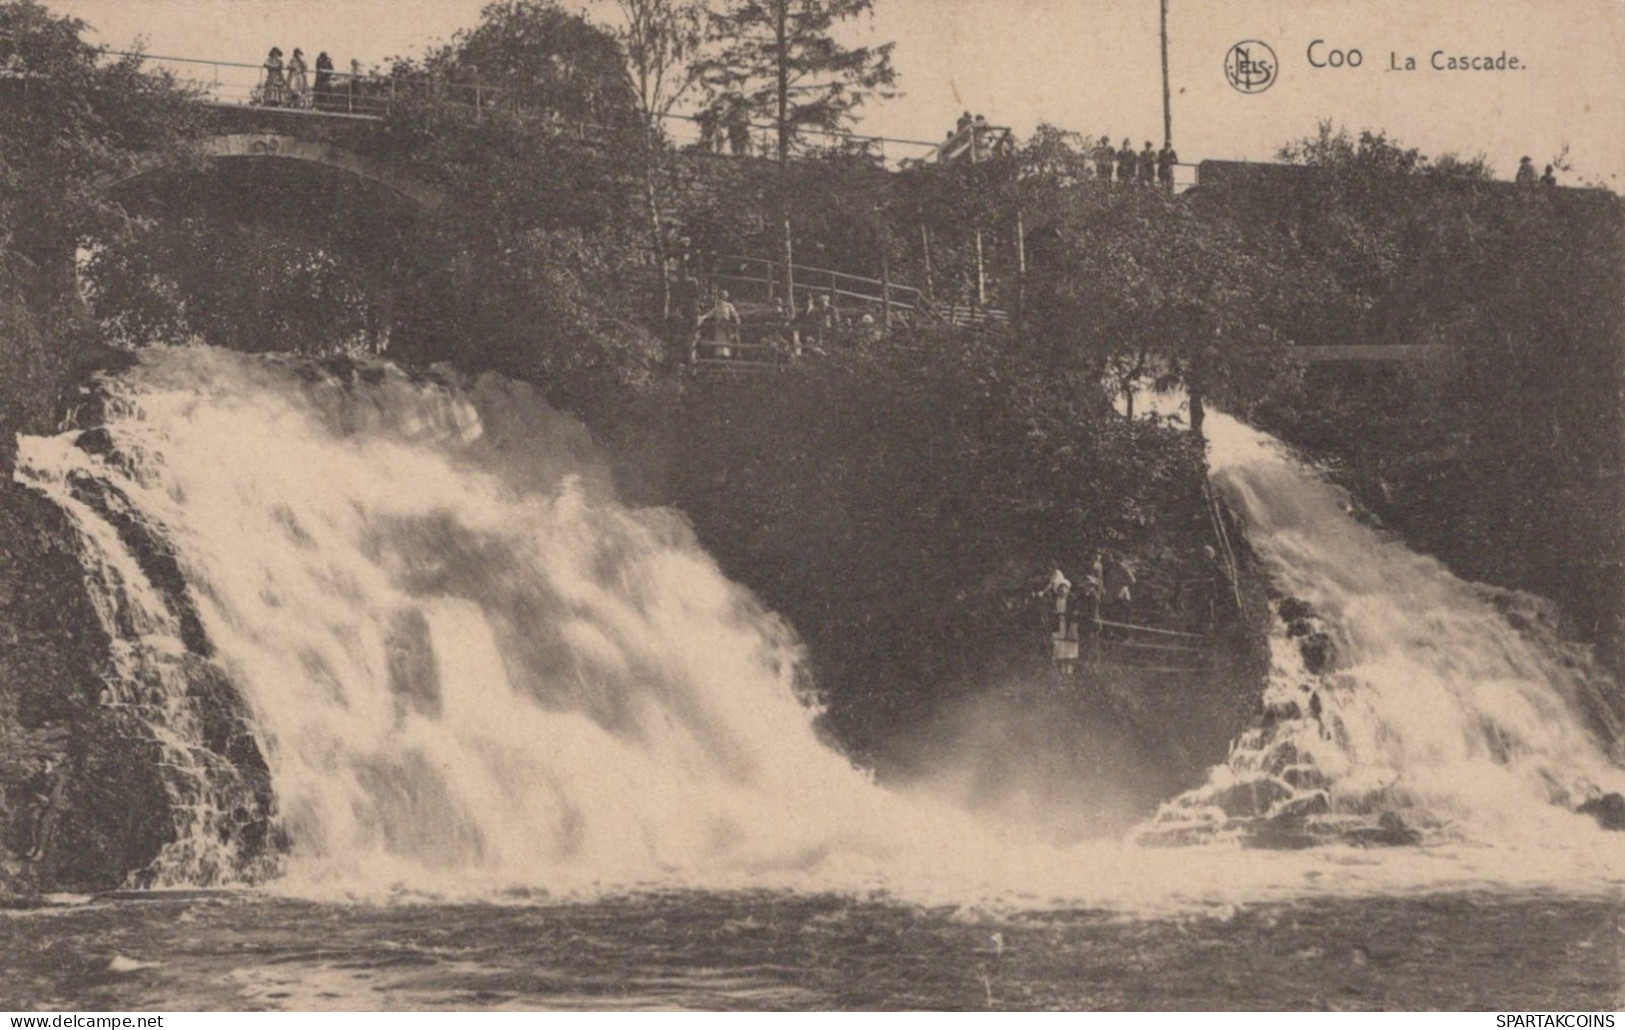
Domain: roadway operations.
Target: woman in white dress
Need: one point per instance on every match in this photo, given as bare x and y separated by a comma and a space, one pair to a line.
298, 81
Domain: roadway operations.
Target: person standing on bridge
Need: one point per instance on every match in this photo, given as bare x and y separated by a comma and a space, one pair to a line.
1148, 165
275, 89
1105, 158
1119, 589
1063, 632
1166, 159
725, 322
355, 86
298, 81
824, 317
1094, 586
324, 82
1125, 163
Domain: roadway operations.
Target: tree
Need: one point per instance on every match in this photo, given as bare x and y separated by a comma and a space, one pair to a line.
661, 41
779, 60
1148, 290
893, 503
73, 117
540, 59
1502, 460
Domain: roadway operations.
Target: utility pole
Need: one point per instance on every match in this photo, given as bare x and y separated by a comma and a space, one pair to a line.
981, 273
1167, 97
1021, 267
885, 269
783, 27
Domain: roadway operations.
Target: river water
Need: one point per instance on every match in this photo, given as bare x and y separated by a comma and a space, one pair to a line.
529, 748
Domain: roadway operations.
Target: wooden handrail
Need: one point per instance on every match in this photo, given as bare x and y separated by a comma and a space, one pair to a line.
798, 268
1231, 566
1148, 629
1176, 648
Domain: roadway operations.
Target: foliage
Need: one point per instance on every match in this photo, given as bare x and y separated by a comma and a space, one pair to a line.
1503, 461
661, 40
526, 266
73, 117
538, 58
243, 285
889, 501
779, 61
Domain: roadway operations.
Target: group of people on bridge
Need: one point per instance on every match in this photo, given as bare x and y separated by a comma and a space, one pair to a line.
289, 85
1526, 174
1148, 167
1106, 598
707, 322
973, 139
1101, 611
790, 330
725, 129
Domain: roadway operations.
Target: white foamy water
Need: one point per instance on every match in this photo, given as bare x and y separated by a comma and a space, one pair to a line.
1434, 709
470, 669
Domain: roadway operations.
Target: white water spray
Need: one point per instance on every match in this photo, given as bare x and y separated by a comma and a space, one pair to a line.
467, 667
464, 662
1404, 703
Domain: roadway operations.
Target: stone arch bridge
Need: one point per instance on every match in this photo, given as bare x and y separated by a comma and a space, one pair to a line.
283, 147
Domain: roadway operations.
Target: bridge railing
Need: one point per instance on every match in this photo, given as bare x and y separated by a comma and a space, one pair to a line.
975, 142
762, 279
370, 95
358, 94
240, 84
759, 139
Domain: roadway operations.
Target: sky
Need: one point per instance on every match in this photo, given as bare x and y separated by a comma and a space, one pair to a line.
1094, 66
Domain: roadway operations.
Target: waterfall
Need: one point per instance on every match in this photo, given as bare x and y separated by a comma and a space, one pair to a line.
1404, 704
395, 629
461, 658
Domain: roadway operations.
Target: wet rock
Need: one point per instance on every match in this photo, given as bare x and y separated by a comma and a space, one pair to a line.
95, 441
82, 782
1317, 652
1276, 713
1282, 835
1252, 798
1608, 810
1292, 610
1316, 803
152, 551
1390, 831
1304, 777
1284, 755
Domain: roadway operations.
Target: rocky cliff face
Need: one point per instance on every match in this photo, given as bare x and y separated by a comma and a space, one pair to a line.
83, 799
80, 800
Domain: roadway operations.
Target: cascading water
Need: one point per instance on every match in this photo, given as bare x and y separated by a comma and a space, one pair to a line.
391, 630
462, 660
1404, 704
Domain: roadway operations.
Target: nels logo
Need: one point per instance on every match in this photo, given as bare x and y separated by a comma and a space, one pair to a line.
1250, 66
